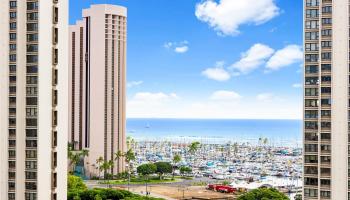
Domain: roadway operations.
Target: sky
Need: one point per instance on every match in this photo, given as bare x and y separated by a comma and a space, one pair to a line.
216, 59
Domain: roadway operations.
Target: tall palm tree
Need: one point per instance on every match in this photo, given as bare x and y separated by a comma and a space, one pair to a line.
176, 159
193, 148
99, 162
129, 156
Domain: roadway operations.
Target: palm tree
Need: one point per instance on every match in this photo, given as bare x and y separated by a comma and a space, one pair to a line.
99, 162
193, 148
176, 159
129, 156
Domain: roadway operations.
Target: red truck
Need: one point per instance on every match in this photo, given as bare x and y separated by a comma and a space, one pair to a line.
221, 188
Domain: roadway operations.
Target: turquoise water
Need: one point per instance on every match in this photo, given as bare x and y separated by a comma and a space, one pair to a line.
213, 130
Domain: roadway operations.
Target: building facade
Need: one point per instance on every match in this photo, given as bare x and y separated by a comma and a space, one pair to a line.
97, 85
33, 102
326, 100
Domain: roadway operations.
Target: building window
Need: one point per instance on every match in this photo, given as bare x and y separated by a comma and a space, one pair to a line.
31, 154
32, 5
311, 103
312, 24
32, 16
327, 9
311, 13
31, 165
312, 2
310, 192
31, 143
32, 101
30, 196
32, 27
326, 32
311, 46
32, 37
311, 57
31, 186
311, 81
326, 21
311, 69
13, 26
31, 175
311, 148
13, 4
311, 35
311, 181
326, 44
12, 154
311, 91
310, 114
32, 79
31, 132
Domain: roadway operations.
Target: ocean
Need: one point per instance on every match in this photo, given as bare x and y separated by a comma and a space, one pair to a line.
278, 132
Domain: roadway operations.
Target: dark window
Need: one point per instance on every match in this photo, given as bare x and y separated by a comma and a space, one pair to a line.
31, 132
32, 101
31, 143
311, 181
32, 5
310, 69
311, 57
32, 69
327, 9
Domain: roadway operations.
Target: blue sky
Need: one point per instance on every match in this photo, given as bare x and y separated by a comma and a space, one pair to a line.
212, 59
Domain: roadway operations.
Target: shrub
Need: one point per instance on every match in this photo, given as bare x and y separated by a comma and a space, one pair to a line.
263, 194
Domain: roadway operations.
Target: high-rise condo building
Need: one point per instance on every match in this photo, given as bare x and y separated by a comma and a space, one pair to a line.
97, 84
34, 99
326, 100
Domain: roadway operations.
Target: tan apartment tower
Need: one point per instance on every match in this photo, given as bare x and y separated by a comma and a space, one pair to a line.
34, 99
326, 100
97, 85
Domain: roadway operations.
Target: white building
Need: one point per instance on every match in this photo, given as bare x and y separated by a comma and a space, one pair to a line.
97, 82
326, 100
34, 99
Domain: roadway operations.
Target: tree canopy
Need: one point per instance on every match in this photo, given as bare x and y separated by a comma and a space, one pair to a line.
147, 169
263, 194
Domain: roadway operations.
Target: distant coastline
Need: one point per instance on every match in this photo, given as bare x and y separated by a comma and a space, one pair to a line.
278, 132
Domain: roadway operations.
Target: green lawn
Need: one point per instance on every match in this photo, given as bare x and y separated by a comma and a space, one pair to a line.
136, 181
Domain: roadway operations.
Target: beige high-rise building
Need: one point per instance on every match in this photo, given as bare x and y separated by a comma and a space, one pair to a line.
326, 100
34, 99
97, 84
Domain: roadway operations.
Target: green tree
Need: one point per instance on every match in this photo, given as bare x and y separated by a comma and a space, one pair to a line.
163, 168
129, 157
184, 170
194, 146
263, 194
298, 197
99, 163
146, 170
176, 159
75, 183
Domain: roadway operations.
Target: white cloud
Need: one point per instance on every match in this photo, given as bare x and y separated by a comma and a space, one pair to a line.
217, 73
218, 105
284, 57
182, 49
154, 97
224, 95
134, 83
265, 97
252, 59
177, 47
297, 85
226, 16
